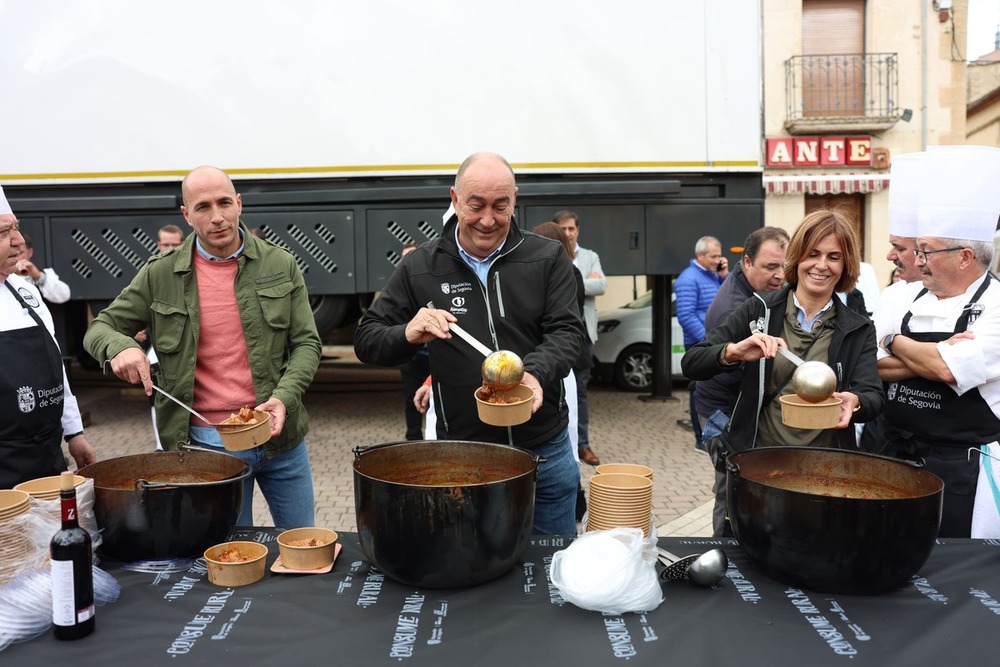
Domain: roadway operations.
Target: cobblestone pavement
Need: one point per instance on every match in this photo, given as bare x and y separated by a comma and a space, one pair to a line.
350, 405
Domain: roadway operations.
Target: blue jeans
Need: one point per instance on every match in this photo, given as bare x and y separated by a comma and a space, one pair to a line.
285, 481
555, 491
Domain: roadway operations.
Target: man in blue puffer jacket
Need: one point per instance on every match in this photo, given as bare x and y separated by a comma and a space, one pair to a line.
695, 288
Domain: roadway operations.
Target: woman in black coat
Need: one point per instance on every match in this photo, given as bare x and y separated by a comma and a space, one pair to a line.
807, 318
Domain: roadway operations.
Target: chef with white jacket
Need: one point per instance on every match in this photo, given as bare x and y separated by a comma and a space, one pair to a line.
941, 358
37, 408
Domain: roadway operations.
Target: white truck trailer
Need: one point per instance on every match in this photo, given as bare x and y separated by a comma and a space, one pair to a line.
343, 124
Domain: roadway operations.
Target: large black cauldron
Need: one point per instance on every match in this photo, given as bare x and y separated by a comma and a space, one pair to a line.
444, 514
833, 521
166, 504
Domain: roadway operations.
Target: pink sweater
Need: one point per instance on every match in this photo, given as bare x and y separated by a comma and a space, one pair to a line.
222, 380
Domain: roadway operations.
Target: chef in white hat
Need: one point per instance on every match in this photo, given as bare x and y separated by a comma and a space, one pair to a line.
37, 408
943, 370
905, 181
904, 197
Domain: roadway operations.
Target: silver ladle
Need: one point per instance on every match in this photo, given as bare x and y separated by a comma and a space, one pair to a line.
813, 381
184, 405
706, 569
502, 370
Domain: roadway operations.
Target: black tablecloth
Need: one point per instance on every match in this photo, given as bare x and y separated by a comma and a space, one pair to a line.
949, 614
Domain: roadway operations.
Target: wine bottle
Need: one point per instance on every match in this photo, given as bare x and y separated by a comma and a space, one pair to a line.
72, 576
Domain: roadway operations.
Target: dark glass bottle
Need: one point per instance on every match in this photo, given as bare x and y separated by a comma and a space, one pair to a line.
72, 576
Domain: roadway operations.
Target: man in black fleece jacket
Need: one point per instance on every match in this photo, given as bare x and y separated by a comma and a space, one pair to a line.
510, 289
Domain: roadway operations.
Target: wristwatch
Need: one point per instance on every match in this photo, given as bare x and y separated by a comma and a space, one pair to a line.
887, 342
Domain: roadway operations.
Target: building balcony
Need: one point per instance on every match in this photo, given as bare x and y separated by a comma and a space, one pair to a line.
843, 93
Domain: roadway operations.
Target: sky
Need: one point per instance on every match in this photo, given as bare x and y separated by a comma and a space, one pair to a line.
984, 16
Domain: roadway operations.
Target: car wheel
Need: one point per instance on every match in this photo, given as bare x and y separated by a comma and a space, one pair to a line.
634, 368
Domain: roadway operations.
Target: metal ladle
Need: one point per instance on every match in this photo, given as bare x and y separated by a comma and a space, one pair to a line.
706, 569
813, 381
502, 370
184, 405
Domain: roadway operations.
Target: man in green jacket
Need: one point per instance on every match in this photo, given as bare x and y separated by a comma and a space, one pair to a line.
230, 321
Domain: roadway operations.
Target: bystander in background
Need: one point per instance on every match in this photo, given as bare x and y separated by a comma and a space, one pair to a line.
595, 283
695, 288
47, 281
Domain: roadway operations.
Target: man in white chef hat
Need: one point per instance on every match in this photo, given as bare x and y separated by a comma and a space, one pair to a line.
905, 182
942, 364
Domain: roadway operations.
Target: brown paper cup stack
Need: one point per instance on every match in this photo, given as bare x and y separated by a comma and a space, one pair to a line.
620, 500
15, 545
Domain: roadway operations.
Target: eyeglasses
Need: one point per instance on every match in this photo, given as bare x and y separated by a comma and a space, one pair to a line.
922, 255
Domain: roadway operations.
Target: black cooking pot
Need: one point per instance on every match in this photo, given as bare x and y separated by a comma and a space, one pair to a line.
833, 521
444, 513
166, 504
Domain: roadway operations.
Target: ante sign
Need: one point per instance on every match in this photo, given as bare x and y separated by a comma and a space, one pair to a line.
831, 151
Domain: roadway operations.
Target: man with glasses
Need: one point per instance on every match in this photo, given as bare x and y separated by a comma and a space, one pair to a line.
941, 361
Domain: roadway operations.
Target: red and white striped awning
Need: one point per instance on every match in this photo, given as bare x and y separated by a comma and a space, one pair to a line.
776, 185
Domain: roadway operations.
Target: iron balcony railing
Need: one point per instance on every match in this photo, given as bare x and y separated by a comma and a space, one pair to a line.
842, 90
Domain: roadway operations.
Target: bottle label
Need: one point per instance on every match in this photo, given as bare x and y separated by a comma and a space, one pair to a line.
85, 613
68, 507
64, 611
63, 599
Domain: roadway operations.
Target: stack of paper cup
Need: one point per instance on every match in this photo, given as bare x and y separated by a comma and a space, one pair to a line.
626, 468
620, 499
15, 544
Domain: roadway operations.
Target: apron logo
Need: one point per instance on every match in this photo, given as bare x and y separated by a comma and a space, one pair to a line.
28, 297
26, 399
975, 310
891, 392
445, 288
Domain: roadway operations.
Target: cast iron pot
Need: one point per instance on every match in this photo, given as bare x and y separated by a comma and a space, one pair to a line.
444, 513
166, 504
833, 521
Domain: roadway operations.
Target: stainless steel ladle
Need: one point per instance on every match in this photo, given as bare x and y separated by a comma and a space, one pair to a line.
184, 405
706, 569
502, 370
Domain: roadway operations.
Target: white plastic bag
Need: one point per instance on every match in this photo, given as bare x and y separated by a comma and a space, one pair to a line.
609, 571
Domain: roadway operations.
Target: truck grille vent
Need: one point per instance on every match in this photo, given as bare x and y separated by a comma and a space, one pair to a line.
397, 231
276, 240
147, 241
127, 253
311, 249
428, 230
96, 253
81, 268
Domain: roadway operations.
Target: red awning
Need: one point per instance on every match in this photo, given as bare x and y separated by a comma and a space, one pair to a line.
776, 185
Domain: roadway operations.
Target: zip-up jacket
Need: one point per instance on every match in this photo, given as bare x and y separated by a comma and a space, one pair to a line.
528, 306
278, 325
852, 357
720, 392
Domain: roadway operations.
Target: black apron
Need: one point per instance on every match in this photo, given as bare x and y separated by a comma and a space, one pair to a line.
31, 403
928, 421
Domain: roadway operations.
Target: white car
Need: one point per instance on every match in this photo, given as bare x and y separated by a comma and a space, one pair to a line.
624, 351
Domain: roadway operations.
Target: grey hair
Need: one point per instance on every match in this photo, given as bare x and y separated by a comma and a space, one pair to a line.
701, 246
982, 251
